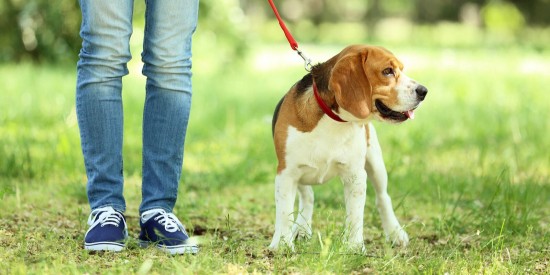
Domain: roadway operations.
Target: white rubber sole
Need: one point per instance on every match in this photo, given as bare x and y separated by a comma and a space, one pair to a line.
104, 246
173, 250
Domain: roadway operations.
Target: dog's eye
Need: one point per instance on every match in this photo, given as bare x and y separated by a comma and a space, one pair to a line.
388, 72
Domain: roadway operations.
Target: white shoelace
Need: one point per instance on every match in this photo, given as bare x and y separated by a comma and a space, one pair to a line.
169, 220
107, 216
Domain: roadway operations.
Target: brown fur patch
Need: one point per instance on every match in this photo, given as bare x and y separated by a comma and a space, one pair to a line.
298, 111
351, 86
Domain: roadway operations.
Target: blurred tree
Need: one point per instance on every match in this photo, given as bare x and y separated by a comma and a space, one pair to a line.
536, 12
42, 30
10, 38
46, 31
503, 17
226, 24
39, 30
430, 11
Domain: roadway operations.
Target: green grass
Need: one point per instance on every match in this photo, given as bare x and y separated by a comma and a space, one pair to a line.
469, 177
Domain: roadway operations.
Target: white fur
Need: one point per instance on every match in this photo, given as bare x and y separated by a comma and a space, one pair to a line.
406, 94
332, 149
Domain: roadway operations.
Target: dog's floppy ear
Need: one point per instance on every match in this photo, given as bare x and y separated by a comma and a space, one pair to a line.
350, 85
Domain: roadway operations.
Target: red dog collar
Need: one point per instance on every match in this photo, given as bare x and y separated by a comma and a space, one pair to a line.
323, 106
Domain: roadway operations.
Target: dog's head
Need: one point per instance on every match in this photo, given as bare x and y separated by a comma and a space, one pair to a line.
368, 81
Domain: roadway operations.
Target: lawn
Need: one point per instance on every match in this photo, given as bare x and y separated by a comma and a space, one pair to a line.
469, 177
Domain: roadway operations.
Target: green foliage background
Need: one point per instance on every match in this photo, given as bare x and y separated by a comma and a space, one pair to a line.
46, 31
469, 177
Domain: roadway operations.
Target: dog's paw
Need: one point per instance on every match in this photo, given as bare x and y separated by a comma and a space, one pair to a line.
301, 232
398, 237
355, 247
273, 247
281, 245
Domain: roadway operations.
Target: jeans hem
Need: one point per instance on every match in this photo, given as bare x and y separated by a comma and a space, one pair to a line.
116, 207
167, 209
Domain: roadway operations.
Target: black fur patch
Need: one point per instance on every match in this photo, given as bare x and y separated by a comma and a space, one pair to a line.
304, 83
275, 116
321, 73
321, 79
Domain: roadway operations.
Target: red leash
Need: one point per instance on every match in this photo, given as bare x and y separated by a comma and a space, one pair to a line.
307, 64
291, 40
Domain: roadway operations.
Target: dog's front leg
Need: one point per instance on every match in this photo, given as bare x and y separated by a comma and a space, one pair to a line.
355, 191
285, 194
379, 177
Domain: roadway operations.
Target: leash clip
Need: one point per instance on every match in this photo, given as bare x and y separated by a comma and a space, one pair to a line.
307, 60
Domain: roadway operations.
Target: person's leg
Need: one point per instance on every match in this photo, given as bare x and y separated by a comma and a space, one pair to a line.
106, 29
167, 65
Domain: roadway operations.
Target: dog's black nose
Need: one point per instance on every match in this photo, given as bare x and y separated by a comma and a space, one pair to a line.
421, 92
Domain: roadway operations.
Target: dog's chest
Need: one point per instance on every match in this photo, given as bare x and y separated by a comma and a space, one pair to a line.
329, 150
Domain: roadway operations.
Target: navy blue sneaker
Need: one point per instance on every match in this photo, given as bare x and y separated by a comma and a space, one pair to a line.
165, 231
107, 232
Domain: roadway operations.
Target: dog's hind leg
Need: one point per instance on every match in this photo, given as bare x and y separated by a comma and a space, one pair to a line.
302, 227
285, 194
376, 171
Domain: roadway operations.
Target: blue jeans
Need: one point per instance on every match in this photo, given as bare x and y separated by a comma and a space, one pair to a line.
106, 29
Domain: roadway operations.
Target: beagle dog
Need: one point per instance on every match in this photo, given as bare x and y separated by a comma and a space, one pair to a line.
322, 129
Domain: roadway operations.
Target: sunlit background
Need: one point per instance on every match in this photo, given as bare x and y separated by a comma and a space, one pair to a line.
470, 174
42, 31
